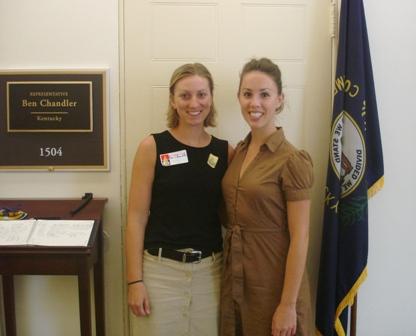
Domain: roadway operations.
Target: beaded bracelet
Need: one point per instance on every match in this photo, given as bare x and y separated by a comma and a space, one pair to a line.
133, 282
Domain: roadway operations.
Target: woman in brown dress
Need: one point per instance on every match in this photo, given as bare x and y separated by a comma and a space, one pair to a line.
266, 189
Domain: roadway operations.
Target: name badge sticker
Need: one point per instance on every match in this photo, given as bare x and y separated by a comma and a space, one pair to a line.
174, 158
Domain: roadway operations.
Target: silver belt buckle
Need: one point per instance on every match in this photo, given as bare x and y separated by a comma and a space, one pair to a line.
198, 254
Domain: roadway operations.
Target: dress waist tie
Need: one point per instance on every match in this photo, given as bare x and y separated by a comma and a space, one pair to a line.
234, 255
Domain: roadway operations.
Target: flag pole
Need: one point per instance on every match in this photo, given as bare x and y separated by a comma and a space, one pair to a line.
353, 317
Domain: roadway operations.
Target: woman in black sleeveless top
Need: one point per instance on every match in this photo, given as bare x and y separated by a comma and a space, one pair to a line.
173, 233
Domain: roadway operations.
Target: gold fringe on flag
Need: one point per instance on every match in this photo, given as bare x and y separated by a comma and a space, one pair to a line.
376, 187
348, 301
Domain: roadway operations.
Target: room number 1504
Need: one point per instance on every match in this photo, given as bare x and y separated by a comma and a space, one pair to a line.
51, 151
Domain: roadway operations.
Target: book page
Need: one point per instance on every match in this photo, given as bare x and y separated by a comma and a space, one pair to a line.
15, 232
61, 232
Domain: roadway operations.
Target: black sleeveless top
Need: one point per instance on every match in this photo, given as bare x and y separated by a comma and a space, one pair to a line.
186, 194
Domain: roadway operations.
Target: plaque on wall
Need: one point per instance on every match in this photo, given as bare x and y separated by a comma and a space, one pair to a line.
53, 120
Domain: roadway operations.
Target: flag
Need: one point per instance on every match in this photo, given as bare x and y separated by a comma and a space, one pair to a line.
355, 173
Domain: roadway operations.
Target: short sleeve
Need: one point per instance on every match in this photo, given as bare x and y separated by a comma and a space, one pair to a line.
297, 176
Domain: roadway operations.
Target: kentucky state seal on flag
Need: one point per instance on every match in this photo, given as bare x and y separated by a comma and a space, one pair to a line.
355, 173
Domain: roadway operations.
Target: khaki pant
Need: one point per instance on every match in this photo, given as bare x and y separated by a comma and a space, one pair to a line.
184, 297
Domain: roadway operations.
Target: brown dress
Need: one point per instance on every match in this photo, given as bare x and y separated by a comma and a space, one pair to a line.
257, 237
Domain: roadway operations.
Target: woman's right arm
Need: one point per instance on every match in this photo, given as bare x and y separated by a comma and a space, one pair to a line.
137, 216
231, 152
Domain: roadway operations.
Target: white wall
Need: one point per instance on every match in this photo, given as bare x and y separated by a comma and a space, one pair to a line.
66, 34
387, 298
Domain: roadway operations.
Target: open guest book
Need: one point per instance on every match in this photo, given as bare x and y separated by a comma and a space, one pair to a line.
45, 232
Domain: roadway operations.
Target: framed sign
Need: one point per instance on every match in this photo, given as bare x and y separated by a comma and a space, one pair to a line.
53, 120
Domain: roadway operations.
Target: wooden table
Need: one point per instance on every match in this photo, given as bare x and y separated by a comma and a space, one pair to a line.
42, 260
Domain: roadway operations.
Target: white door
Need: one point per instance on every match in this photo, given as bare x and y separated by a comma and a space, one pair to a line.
223, 35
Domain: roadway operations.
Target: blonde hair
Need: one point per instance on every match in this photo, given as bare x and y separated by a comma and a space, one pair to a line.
186, 70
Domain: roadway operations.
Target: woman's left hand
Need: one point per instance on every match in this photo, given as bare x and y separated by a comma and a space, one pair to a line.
284, 320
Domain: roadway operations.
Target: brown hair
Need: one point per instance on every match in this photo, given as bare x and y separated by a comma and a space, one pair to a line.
186, 70
266, 66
